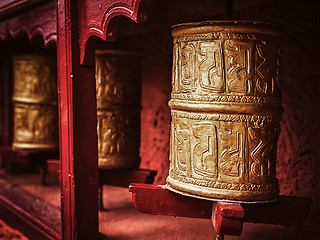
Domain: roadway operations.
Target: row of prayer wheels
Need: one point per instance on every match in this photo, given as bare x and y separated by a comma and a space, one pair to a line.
225, 107
118, 88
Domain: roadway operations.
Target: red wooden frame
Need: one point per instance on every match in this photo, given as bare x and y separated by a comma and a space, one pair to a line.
8, 7
78, 140
77, 21
36, 218
39, 20
95, 16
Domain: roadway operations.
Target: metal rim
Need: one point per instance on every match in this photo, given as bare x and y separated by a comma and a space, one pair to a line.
225, 27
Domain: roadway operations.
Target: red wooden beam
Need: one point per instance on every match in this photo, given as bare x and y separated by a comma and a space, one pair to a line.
227, 217
36, 218
113, 177
156, 199
23, 161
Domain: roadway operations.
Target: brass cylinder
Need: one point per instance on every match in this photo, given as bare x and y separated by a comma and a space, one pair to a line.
118, 87
226, 107
35, 103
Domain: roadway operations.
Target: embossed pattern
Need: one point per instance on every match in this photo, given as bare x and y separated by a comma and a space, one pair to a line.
35, 106
226, 107
118, 86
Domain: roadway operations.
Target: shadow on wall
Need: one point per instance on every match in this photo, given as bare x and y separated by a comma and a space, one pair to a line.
298, 158
156, 89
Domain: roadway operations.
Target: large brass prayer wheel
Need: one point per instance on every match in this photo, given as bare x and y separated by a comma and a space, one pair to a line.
35, 103
226, 107
118, 87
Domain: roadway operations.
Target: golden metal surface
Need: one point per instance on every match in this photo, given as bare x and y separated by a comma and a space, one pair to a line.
118, 86
226, 107
35, 107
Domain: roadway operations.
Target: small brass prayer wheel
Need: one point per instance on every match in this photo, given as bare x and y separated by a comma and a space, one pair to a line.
35, 103
226, 107
118, 87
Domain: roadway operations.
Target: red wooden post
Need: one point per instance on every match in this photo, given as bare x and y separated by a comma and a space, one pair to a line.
78, 133
77, 21
227, 218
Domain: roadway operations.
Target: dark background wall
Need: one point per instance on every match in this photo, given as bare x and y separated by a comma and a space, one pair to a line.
298, 158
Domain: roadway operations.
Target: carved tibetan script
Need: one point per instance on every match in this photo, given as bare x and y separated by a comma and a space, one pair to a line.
225, 107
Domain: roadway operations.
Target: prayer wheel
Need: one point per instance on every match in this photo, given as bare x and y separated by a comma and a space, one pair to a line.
118, 91
226, 108
35, 103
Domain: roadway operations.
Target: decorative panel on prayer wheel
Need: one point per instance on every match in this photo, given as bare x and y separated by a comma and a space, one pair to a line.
226, 107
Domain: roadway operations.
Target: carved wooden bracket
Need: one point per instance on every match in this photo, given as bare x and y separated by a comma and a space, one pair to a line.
95, 16
40, 20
